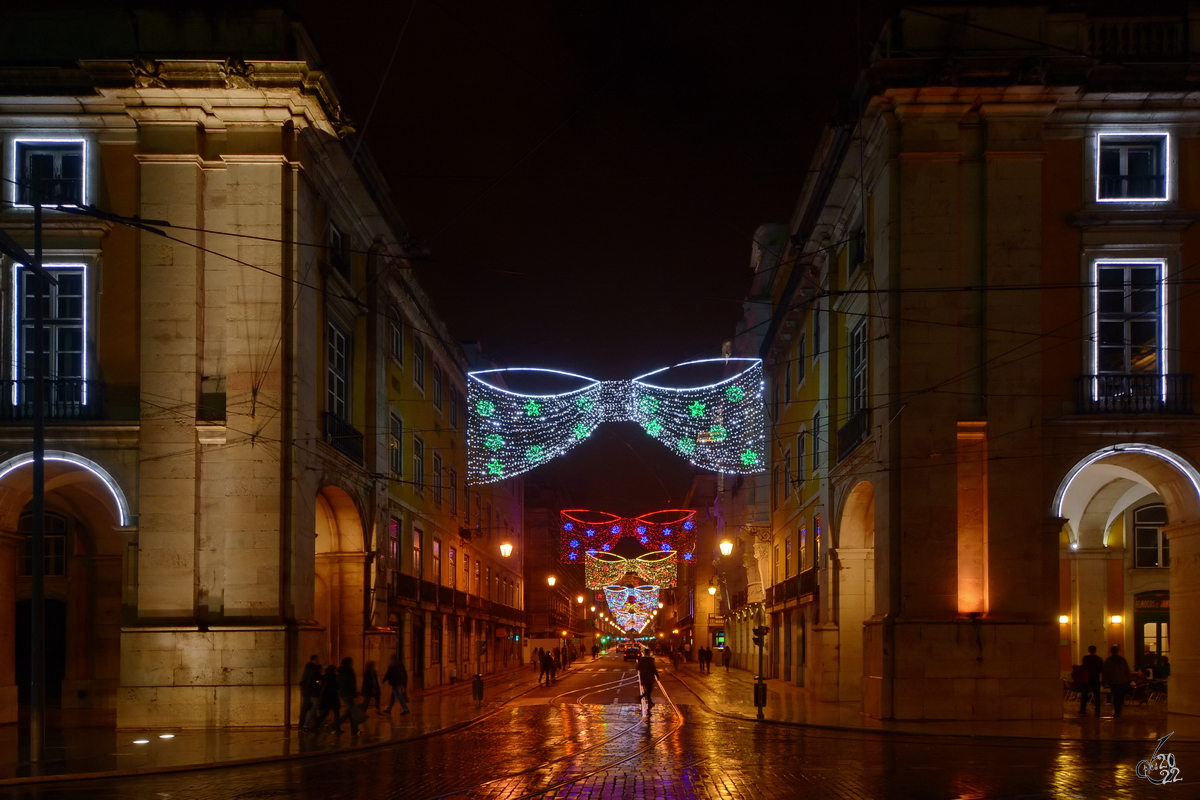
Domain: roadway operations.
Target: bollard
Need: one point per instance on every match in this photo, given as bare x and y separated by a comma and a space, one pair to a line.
477, 689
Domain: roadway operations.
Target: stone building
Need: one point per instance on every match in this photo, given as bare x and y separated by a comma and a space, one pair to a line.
223, 492
980, 346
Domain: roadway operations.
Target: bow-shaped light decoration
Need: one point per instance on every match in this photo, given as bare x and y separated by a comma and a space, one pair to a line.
632, 606
584, 533
606, 569
719, 427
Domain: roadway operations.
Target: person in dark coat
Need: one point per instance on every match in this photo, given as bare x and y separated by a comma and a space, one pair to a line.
1116, 678
371, 689
647, 675
397, 678
327, 702
310, 687
1093, 665
347, 689
727, 657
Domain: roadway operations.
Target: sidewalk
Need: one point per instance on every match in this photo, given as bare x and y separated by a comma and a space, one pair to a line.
85, 743
732, 693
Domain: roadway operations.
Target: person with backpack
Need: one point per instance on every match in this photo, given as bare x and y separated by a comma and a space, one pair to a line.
1087, 675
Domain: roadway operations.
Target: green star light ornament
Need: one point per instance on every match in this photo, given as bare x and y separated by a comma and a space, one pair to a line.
749, 458
494, 441
697, 409
735, 394
533, 408
485, 408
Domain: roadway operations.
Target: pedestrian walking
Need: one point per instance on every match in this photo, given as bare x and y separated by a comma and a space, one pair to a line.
1092, 667
554, 666
546, 663
595, 651
347, 688
1116, 677
727, 657
371, 689
310, 687
397, 678
647, 675
327, 702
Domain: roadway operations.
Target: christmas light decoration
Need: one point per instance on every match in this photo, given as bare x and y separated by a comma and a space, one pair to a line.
606, 569
585, 532
719, 427
632, 606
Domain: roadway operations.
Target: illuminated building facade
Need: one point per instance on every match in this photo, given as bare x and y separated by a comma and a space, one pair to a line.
980, 375
222, 494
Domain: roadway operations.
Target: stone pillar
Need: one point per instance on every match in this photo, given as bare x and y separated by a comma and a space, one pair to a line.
9, 552
855, 603
1089, 580
1184, 697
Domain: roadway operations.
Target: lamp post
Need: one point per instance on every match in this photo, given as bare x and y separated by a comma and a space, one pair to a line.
726, 547
506, 550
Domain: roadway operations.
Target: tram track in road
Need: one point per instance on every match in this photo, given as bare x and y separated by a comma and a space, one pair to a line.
556, 784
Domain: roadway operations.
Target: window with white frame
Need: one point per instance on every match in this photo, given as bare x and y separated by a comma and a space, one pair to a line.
418, 478
801, 442
396, 329
454, 403
466, 584
436, 562
338, 251
394, 545
452, 492
775, 487
437, 478
787, 383
816, 333
64, 337
337, 372
858, 367
437, 387
1130, 320
1151, 549
396, 447
417, 564
800, 357
451, 568
419, 362
1132, 167
55, 168
815, 434
787, 474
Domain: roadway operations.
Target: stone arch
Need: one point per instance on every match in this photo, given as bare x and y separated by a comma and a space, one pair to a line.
854, 557
1093, 496
339, 582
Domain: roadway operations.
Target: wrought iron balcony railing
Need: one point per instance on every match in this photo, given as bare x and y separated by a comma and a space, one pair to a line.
344, 437
853, 433
1134, 394
65, 398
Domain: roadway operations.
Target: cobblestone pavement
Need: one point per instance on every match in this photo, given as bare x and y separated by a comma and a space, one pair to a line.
607, 750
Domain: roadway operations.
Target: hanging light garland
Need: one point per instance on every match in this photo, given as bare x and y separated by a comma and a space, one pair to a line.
632, 606
583, 533
719, 427
606, 569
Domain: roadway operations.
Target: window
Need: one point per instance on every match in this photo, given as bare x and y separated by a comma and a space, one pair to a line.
452, 492
816, 441
775, 403
451, 568
777, 566
1130, 317
394, 544
436, 565
416, 553
787, 383
858, 368
775, 487
466, 505
817, 554
437, 387
55, 166
787, 474
802, 537
477, 573
488, 583
65, 311
54, 545
337, 373
396, 326
787, 557
816, 323
437, 478
396, 447
800, 356
800, 445
1131, 167
338, 251
419, 363
418, 463
453, 408
478, 511
466, 572
1151, 548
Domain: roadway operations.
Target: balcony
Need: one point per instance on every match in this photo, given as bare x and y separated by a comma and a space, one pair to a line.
344, 437
1134, 394
853, 433
66, 399
1149, 38
808, 582
402, 586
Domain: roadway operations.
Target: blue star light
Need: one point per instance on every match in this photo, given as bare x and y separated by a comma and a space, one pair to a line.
574, 543
687, 556
570, 526
607, 547
666, 546
687, 526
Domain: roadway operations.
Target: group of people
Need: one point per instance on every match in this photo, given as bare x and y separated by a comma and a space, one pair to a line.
549, 662
334, 692
1113, 672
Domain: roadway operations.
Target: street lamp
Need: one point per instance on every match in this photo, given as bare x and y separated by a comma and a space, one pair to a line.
726, 547
551, 580
579, 599
712, 589
506, 550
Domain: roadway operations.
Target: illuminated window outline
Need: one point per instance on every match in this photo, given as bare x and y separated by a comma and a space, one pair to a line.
1166, 164
15, 317
1094, 277
14, 165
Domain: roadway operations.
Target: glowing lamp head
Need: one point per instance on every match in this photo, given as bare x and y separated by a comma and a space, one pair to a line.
552, 580
1115, 619
506, 549
1063, 619
726, 547
712, 590
579, 599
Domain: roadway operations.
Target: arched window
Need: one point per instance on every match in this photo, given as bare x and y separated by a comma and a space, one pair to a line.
1150, 548
55, 543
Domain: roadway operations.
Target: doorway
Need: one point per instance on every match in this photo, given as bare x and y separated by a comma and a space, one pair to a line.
56, 650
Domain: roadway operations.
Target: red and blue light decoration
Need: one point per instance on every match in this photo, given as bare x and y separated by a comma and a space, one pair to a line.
632, 606
584, 533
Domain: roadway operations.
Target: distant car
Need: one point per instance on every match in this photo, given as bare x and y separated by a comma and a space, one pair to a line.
633, 653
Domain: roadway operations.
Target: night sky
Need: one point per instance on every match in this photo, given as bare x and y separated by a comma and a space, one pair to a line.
589, 175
